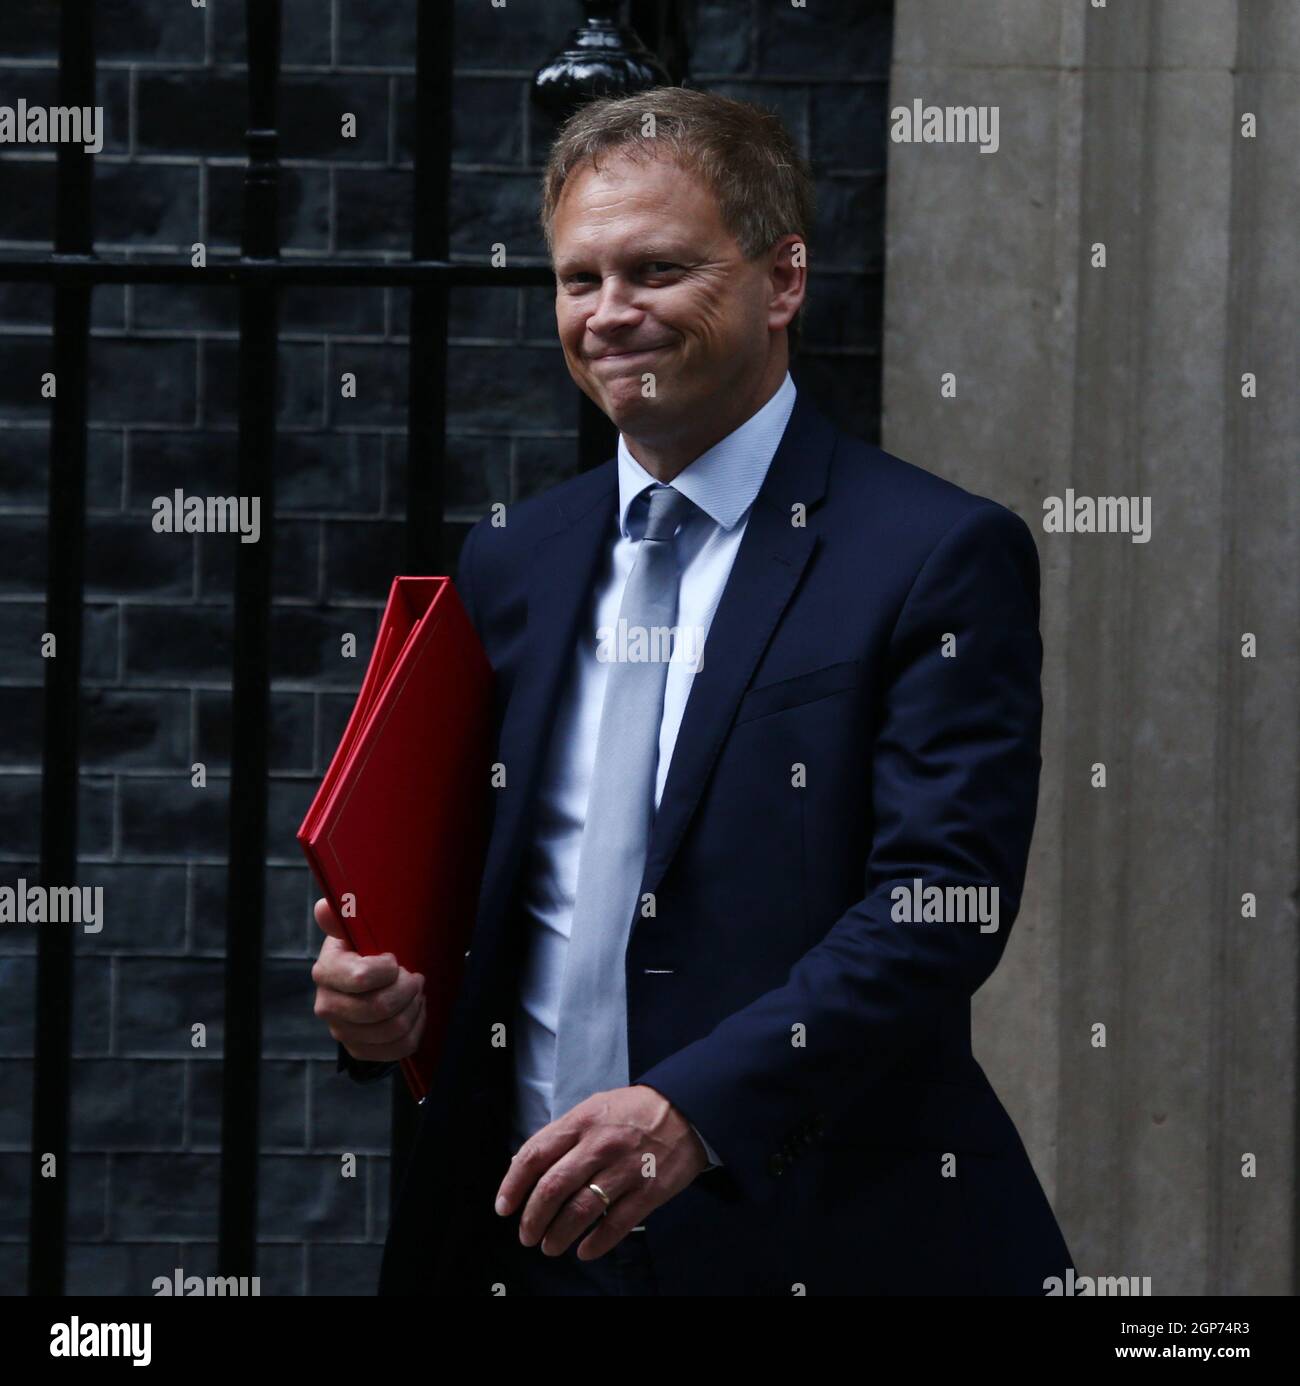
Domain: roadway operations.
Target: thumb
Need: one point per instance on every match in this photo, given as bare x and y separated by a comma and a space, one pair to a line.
329, 921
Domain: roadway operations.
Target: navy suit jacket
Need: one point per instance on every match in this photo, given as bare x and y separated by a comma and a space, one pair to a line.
831, 750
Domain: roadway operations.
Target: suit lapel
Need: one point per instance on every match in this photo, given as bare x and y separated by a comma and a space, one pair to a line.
769, 563
772, 557
561, 577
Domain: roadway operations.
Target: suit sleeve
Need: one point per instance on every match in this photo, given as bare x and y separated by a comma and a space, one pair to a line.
364, 1070
465, 584
954, 786
714, 1162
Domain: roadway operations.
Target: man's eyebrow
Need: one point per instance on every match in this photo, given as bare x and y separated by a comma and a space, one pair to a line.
678, 254
662, 251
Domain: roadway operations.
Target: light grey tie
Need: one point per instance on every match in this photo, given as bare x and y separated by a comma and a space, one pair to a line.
591, 1035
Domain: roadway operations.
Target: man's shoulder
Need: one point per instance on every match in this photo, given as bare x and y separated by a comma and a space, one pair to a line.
900, 507
521, 524
867, 479
500, 545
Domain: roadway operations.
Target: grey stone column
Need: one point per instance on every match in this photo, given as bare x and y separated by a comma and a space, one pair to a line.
1122, 125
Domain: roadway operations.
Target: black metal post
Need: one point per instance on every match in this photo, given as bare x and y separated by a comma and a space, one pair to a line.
427, 358
664, 27
250, 703
74, 235
426, 400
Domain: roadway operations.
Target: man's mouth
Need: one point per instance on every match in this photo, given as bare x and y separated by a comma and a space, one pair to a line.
628, 355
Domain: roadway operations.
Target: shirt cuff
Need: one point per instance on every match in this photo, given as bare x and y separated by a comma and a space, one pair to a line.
714, 1162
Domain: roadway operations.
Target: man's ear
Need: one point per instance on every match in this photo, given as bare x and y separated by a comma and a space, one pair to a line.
790, 278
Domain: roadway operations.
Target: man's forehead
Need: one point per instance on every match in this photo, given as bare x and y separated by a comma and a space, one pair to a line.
626, 182
638, 207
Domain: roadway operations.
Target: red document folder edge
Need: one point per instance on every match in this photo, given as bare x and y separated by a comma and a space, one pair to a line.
397, 832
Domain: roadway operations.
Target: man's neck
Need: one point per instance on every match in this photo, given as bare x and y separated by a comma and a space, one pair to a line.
665, 458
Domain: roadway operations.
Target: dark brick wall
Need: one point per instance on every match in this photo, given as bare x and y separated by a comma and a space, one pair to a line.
146, 1106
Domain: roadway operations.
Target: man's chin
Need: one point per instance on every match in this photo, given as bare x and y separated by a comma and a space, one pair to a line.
627, 408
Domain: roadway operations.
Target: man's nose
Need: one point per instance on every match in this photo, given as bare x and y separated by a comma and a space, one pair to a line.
614, 307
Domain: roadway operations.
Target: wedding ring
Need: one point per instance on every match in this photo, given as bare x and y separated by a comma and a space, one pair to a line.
604, 1197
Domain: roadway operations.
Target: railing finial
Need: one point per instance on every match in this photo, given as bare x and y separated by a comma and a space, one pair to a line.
602, 58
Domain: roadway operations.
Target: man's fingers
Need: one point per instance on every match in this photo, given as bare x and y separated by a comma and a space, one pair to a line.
373, 1006
394, 1039
581, 1209
537, 1154
602, 1140
567, 1175
388, 1032
338, 968
630, 1211
370, 1007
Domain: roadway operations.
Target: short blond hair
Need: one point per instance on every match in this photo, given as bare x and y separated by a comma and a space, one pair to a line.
741, 152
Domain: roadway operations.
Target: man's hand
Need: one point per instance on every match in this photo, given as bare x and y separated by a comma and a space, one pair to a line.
609, 1140
374, 1007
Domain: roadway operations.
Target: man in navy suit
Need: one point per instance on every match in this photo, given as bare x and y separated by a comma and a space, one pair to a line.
714, 1036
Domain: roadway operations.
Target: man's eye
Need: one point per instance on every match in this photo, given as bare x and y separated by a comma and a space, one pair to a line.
661, 266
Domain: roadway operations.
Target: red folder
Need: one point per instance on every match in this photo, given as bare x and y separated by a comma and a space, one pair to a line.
397, 832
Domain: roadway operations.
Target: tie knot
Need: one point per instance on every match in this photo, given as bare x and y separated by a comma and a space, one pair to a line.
668, 508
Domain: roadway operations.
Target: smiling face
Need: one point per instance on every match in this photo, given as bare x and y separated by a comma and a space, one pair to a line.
650, 282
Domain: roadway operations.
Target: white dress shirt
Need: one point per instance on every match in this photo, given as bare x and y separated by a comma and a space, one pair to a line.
722, 483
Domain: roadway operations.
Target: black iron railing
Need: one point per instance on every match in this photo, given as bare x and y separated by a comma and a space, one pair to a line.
74, 271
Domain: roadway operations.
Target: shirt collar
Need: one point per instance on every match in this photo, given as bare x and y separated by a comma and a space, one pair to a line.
724, 480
